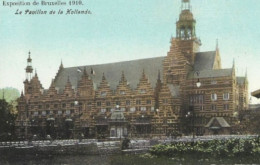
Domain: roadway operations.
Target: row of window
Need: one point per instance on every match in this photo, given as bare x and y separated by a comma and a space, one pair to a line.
122, 92
132, 109
214, 96
200, 98
59, 112
214, 107
127, 102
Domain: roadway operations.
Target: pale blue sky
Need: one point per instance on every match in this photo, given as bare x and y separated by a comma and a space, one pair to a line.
120, 30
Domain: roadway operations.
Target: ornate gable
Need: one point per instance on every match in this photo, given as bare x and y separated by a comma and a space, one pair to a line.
68, 91
103, 89
144, 86
123, 88
52, 92
35, 86
85, 86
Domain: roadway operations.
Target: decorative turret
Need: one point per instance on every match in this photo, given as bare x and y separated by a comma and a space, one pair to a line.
185, 29
29, 68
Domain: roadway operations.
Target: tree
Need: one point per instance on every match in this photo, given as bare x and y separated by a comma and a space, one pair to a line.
7, 121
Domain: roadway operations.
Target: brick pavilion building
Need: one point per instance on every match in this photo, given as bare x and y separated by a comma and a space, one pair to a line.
185, 92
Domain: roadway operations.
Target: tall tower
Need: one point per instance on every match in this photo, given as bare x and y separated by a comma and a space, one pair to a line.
29, 68
186, 32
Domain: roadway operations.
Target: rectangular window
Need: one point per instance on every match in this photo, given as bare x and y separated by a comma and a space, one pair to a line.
103, 110
47, 106
165, 101
103, 93
226, 107
44, 113
117, 102
214, 82
40, 106
55, 105
152, 109
63, 105
214, 97
72, 105
67, 112
132, 109
226, 96
108, 103
138, 102
201, 108
35, 113
148, 102
59, 112
143, 108
142, 91
89, 103
98, 103
128, 102
213, 107
123, 109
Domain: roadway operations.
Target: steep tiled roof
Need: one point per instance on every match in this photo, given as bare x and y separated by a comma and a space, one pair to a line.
211, 73
132, 70
204, 60
221, 121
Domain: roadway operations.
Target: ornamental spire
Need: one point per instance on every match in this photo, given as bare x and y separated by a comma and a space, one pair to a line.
185, 5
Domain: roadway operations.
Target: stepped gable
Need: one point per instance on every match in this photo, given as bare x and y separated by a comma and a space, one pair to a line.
132, 71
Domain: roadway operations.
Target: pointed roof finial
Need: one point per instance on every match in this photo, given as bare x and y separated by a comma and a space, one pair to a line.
246, 73
103, 76
61, 64
159, 75
216, 44
92, 72
85, 73
29, 57
122, 77
36, 75
22, 93
68, 79
233, 63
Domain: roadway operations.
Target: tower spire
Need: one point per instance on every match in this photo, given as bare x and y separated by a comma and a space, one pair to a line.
29, 68
216, 44
185, 5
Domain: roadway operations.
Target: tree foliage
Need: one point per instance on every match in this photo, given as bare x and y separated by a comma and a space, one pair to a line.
7, 121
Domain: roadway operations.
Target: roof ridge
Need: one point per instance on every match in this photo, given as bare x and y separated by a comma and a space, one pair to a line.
116, 62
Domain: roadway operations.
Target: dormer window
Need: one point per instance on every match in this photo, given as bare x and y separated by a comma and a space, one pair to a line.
142, 91
103, 93
214, 82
